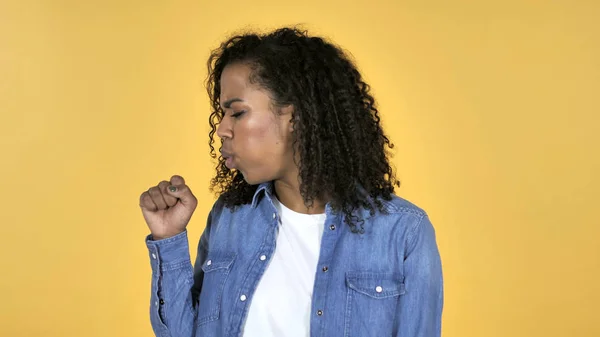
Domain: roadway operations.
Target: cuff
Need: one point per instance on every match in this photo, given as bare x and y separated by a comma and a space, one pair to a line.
169, 253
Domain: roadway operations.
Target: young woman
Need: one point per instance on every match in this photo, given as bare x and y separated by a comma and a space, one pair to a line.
307, 237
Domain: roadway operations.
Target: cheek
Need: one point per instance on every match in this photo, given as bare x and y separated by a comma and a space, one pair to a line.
262, 135
262, 143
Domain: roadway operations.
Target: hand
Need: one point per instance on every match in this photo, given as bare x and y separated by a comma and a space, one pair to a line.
168, 212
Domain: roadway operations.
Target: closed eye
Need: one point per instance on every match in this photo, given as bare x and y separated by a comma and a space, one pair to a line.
238, 114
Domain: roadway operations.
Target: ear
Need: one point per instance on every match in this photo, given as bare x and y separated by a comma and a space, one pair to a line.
287, 112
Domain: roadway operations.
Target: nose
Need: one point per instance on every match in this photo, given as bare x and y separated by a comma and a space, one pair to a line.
224, 129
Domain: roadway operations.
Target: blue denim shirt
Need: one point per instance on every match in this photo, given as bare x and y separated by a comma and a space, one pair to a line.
386, 281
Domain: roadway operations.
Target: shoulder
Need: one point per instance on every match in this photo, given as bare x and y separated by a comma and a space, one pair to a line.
222, 212
401, 215
217, 207
399, 206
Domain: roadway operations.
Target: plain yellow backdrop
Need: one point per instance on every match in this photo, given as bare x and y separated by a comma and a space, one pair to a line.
493, 107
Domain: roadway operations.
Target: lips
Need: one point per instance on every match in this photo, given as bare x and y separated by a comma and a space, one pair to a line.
228, 158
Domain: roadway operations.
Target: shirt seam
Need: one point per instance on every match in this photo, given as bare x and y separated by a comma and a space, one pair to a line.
411, 237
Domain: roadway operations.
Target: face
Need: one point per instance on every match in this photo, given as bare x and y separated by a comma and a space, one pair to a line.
256, 141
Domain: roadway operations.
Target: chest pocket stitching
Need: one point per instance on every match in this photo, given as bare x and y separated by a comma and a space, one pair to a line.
219, 267
218, 261
367, 283
364, 294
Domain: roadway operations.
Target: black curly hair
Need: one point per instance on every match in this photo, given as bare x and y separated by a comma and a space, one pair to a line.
337, 131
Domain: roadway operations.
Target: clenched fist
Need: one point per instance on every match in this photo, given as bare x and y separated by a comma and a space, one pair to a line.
168, 207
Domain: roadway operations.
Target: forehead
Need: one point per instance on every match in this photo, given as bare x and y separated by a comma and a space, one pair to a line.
234, 81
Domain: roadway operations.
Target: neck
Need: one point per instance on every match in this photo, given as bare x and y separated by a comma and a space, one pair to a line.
288, 193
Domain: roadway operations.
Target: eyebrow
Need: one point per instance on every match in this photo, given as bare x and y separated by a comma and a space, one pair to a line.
228, 102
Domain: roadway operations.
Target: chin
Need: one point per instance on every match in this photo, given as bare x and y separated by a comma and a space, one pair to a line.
253, 180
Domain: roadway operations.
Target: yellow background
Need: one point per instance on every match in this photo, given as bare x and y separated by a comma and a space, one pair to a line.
493, 107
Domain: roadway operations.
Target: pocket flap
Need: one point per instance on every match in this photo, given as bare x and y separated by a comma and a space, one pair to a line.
218, 260
376, 285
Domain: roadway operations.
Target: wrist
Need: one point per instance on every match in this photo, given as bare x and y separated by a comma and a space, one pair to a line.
162, 236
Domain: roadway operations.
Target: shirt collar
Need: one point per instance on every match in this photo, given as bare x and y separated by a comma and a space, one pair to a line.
267, 189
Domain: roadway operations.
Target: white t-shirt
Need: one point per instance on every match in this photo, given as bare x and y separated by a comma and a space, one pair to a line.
281, 305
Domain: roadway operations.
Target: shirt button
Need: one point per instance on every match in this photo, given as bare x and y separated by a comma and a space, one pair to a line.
209, 262
154, 256
325, 268
320, 312
274, 215
243, 298
156, 303
263, 257
332, 227
378, 289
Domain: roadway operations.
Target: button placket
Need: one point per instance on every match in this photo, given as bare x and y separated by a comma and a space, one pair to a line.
324, 263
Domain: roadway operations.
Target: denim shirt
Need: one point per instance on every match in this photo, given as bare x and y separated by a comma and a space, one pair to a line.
386, 281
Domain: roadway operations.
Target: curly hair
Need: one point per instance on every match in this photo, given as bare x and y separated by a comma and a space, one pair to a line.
336, 126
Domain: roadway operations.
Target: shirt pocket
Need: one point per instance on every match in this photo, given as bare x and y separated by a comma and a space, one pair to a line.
216, 269
371, 303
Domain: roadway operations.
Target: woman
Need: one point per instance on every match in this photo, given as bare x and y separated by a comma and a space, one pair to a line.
307, 237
